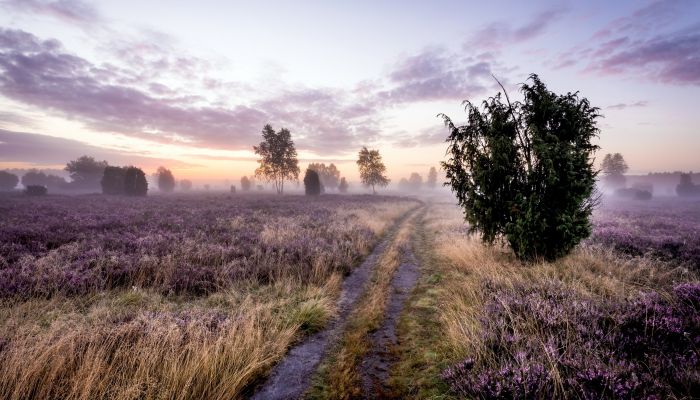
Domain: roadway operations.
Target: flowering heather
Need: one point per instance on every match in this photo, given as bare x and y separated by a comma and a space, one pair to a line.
666, 229
544, 340
178, 244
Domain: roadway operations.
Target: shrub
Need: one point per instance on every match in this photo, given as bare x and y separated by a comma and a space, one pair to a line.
166, 180
135, 183
632, 193
185, 184
343, 186
523, 171
8, 181
312, 183
36, 190
245, 184
113, 180
645, 348
686, 188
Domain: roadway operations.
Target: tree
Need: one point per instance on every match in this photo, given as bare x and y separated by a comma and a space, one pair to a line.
686, 188
415, 181
312, 183
524, 171
614, 168
278, 157
185, 184
8, 181
112, 181
329, 175
245, 184
432, 178
85, 172
34, 177
135, 183
372, 169
166, 180
343, 186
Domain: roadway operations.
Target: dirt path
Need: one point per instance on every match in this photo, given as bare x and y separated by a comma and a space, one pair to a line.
291, 377
379, 359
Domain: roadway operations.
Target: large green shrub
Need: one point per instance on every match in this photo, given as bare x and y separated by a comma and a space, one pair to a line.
312, 183
524, 172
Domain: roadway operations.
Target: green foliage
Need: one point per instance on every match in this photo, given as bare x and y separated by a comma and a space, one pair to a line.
329, 175
135, 183
113, 180
86, 172
432, 178
124, 180
312, 183
8, 181
35, 190
614, 168
343, 186
372, 169
245, 184
523, 171
278, 157
166, 180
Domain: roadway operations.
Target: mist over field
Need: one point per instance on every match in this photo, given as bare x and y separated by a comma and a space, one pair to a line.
332, 200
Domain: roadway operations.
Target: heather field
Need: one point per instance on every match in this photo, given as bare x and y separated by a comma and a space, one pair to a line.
221, 296
185, 296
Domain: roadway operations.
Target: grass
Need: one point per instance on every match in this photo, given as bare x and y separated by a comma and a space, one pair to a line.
443, 323
339, 376
138, 341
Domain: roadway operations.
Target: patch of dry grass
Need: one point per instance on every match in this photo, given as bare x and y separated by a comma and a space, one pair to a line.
339, 377
144, 343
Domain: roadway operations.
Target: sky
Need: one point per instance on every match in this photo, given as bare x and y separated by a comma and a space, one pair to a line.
189, 85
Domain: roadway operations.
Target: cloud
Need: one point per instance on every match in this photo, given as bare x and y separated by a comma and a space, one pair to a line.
71, 11
499, 34
45, 150
622, 106
426, 137
43, 74
436, 74
668, 58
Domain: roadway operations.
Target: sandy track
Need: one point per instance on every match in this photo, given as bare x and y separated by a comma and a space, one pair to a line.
379, 359
291, 377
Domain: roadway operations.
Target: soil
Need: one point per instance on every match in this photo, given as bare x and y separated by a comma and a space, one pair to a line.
379, 359
291, 377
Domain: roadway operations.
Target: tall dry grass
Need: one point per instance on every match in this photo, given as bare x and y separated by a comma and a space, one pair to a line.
471, 272
142, 343
339, 376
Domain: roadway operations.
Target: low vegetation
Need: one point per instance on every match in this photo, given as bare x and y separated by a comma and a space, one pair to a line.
181, 296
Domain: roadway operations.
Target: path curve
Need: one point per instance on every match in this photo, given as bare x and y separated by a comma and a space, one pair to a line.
291, 377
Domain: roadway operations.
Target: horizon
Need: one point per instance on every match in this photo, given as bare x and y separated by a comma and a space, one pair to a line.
193, 89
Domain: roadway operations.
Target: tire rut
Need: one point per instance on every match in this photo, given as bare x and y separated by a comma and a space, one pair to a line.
378, 361
291, 377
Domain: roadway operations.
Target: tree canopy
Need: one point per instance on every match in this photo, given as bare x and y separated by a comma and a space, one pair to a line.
278, 157
86, 172
524, 171
329, 175
614, 168
166, 180
432, 178
372, 169
8, 181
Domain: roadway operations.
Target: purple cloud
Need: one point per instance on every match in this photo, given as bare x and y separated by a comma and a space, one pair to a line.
499, 34
42, 74
42, 150
622, 106
435, 74
72, 11
668, 58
